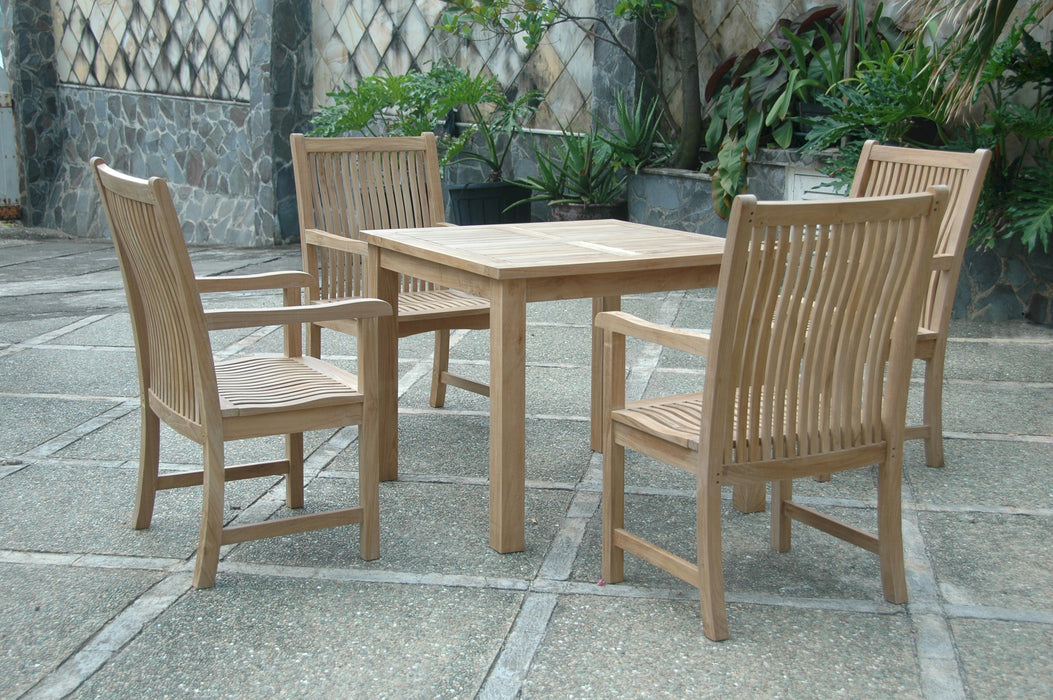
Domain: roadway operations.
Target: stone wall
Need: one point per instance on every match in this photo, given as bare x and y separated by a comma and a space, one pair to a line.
202, 94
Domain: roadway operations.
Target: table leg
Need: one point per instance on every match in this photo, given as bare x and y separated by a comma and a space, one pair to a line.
507, 415
596, 412
384, 284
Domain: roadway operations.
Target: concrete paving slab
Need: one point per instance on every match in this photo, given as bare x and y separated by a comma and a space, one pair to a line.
86, 509
257, 636
991, 559
614, 647
50, 611
984, 474
99, 372
425, 528
1015, 409
1005, 659
30, 421
445, 616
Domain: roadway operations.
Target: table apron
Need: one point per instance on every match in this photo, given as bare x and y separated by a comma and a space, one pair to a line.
557, 287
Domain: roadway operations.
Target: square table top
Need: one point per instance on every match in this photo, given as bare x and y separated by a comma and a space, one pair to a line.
540, 249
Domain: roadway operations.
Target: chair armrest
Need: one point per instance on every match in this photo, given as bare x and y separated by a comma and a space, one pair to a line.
283, 315
675, 338
324, 239
943, 261
265, 280
445, 224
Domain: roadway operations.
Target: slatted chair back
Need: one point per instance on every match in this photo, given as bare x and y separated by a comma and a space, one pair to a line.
346, 185
172, 347
884, 170
808, 296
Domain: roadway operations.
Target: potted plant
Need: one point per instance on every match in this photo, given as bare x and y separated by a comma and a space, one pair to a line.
580, 177
415, 102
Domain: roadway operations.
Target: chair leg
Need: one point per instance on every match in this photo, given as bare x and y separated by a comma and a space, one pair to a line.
890, 529
369, 488
211, 516
613, 567
294, 478
932, 409
748, 498
781, 491
440, 364
710, 560
149, 459
314, 340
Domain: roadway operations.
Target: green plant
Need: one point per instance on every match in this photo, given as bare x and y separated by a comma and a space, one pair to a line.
637, 141
579, 168
408, 104
527, 21
889, 99
1016, 89
754, 98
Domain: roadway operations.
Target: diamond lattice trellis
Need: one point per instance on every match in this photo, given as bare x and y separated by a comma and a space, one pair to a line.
198, 49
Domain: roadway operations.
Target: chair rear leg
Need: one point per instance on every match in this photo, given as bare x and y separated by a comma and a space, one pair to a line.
211, 516
294, 478
149, 459
710, 560
440, 364
932, 409
748, 498
781, 523
314, 340
890, 530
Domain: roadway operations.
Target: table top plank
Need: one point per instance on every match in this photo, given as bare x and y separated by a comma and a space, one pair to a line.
539, 249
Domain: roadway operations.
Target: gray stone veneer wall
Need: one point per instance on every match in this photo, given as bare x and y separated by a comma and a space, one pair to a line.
226, 161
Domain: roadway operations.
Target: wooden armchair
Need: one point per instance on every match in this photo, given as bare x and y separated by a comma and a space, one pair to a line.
346, 185
211, 401
801, 378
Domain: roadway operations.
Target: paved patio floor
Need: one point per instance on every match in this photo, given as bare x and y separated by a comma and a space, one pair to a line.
91, 608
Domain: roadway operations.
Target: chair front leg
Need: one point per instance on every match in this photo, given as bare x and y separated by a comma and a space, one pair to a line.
613, 559
781, 523
440, 363
294, 477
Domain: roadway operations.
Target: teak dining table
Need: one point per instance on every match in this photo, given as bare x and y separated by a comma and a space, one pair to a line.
511, 265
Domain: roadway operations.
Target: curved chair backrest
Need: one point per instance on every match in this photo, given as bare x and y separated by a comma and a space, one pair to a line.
885, 170
809, 295
176, 368
345, 185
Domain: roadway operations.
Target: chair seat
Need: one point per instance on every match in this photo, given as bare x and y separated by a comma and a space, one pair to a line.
256, 385
440, 303
677, 419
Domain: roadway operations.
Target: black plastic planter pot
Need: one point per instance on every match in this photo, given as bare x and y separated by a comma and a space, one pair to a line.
488, 203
